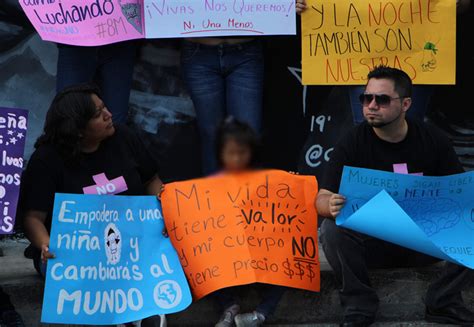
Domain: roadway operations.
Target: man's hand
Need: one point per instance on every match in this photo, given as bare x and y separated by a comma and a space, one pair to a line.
300, 6
329, 204
336, 202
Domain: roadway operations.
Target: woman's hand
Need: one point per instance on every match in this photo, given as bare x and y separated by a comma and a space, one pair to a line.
155, 187
158, 195
45, 254
300, 6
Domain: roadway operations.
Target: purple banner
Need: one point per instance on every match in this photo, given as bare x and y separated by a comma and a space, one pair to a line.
13, 124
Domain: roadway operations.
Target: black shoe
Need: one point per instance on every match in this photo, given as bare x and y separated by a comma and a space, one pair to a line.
450, 315
11, 318
357, 321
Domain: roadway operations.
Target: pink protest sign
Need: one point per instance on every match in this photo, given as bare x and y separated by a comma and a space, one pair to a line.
86, 22
99, 22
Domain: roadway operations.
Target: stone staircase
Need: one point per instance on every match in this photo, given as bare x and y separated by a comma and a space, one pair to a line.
401, 293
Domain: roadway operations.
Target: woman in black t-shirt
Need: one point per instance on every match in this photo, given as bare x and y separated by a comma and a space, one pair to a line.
80, 151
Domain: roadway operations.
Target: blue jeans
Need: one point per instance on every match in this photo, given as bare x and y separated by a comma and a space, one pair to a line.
109, 66
223, 80
420, 100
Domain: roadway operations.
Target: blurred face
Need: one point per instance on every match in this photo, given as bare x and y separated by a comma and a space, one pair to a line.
382, 105
235, 157
100, 126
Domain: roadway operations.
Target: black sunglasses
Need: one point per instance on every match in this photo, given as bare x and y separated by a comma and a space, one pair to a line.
380, 99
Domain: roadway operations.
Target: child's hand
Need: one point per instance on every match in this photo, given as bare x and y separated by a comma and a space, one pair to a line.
158, 196
300, 6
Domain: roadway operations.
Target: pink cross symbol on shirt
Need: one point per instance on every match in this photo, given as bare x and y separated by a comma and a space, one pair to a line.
403, 169
104, 186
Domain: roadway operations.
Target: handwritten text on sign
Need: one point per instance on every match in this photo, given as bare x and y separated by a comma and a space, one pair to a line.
112, 265
240, 229
432, 215
194, 18
13, 123
86, 22
98, 22
343, 40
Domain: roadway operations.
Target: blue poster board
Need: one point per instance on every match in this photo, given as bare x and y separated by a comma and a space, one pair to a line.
432, 215
112, 263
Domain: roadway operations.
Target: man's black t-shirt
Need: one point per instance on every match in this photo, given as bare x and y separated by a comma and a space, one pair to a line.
121, 165
425, 150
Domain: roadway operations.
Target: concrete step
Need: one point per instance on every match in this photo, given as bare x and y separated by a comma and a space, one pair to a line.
401, 293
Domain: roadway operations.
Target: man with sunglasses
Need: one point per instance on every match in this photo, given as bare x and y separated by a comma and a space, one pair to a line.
387, 141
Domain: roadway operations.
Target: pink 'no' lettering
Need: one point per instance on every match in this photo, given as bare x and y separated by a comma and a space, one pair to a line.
104, 186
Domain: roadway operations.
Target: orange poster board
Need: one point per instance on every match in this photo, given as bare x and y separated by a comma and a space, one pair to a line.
239, 229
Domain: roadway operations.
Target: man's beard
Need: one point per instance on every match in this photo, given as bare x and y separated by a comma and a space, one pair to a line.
382, 124
378, 124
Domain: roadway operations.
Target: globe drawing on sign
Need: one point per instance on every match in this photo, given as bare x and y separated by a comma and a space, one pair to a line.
433, 215
167, 294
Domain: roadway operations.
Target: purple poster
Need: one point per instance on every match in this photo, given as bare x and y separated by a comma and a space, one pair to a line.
12, 144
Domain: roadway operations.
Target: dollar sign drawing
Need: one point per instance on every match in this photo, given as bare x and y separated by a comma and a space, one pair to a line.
300, 271
311, 273
288, 271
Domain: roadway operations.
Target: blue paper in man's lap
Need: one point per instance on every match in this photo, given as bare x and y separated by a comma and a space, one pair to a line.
432, 215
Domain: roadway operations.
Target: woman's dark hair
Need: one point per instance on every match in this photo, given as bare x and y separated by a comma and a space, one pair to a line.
240, 132
67, 118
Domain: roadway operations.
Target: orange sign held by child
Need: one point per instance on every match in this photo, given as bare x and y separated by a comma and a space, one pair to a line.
239, 229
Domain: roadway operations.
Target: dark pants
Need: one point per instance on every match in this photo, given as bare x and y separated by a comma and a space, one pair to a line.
271, 295
5, 304
351, 254
109, 66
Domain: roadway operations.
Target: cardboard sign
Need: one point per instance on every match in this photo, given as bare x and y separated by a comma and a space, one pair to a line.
112, 265
86, 22
13, 125
432, 215
239, 229
343, 40
197, 18
99, 22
